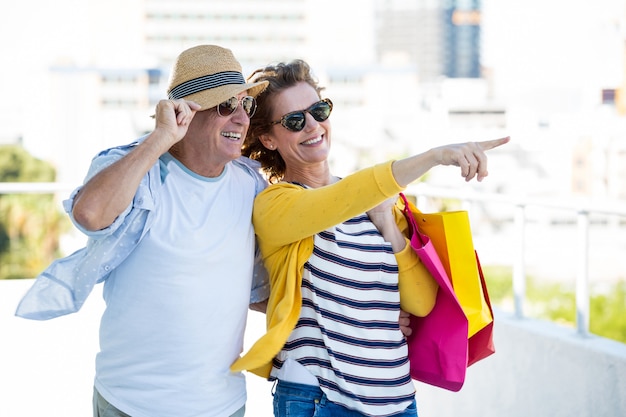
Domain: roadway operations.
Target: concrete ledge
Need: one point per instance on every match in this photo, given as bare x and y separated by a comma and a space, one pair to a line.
47, 367
539, 369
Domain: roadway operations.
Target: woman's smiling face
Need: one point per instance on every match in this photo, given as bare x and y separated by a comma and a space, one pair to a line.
309, 146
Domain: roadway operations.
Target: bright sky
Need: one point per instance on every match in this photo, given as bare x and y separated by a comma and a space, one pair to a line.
555, 42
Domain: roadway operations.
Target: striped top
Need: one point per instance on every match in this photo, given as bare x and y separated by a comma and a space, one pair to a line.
348, 334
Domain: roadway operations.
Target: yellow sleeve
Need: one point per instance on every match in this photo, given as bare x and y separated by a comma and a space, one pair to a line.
285, 213
418, 289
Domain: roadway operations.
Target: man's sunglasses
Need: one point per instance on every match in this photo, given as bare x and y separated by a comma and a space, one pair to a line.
296, 120
228, 107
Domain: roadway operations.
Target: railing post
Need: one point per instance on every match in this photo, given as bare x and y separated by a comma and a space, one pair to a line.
582, 274
519, 273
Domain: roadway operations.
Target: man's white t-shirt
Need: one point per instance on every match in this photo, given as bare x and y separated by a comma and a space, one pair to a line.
176, 308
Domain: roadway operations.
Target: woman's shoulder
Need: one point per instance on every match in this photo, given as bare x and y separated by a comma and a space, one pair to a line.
285, 186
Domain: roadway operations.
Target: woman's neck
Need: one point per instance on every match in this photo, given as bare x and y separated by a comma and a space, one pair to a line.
313, 178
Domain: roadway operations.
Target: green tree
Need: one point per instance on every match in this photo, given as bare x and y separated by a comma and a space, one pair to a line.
30, 224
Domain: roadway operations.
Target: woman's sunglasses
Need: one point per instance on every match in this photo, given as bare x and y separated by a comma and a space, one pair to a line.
296, 120
228, 107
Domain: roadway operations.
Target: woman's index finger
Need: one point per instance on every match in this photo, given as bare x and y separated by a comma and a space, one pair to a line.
490, 144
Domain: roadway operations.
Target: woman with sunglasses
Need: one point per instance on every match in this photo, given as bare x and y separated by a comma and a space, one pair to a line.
337, 255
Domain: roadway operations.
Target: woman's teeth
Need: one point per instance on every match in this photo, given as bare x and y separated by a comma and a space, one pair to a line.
312, 141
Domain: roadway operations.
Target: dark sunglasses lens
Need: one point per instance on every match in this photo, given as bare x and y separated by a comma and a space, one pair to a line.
249, 105
227, 107
320, 111
294, 121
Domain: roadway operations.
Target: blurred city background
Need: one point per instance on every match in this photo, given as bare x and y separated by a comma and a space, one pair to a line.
78, 76
405, 75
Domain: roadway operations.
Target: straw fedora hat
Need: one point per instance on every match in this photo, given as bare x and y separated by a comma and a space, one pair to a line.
209, 75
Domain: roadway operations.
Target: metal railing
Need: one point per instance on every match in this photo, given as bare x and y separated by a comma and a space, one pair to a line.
422, 192
34, 187
582, 210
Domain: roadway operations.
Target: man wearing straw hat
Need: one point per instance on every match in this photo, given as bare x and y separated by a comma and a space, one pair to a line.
169, 224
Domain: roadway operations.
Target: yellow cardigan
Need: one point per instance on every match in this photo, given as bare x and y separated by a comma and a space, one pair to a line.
286, 217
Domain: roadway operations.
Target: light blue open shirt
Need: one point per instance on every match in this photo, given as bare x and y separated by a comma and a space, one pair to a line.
63, 287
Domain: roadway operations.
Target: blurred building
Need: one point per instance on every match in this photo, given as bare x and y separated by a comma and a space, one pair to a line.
439, 38
405, 75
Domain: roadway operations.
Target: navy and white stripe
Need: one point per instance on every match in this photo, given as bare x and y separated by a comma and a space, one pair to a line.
348, 334
205, 83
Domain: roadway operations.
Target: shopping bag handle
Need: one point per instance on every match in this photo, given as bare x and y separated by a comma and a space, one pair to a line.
414, 230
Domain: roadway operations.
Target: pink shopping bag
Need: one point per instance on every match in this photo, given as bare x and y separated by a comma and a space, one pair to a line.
438, 345
481, 343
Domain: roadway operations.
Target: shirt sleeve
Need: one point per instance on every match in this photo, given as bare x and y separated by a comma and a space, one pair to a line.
286, 213
418, 289
254, 169
260, 290
100, 162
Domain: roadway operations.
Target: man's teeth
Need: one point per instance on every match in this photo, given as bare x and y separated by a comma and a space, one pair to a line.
312, 141
235, 136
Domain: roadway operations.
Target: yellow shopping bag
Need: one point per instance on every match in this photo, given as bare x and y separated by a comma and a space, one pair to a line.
451, 236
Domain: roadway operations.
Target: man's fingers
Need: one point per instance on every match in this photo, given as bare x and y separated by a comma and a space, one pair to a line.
184, 110
193, 105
